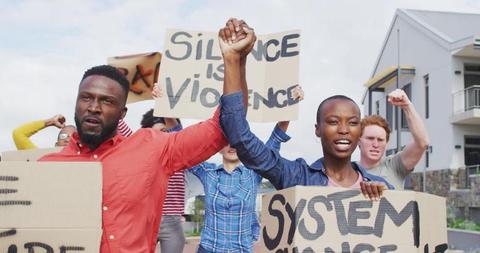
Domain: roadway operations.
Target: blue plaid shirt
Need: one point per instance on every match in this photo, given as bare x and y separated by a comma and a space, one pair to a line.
230, 219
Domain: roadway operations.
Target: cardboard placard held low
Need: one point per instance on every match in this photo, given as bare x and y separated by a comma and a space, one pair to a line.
27, 155
50, 207
331, 220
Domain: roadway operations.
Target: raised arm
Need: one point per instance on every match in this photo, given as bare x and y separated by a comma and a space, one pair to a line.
278, 136
253, 153
412, 153
21, 135
236, 41
279, 133
193, 144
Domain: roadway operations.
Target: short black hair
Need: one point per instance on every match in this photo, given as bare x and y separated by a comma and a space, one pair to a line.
148, 120
110, 72
341, 97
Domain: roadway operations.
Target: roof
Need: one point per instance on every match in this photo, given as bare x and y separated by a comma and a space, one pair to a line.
383, 78
450, 26
451, 30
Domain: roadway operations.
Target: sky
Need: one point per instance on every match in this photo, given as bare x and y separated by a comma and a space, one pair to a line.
46, 46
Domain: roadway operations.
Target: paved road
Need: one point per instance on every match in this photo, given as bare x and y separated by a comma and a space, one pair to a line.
192, 244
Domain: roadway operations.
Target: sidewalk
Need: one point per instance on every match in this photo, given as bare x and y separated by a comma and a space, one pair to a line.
191, 245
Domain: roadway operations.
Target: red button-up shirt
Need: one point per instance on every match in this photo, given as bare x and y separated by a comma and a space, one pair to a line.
135, 176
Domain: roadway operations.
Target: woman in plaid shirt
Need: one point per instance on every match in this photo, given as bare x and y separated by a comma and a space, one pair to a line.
230, 195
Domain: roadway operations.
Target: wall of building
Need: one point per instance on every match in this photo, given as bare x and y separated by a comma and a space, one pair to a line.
461, 130
428, 57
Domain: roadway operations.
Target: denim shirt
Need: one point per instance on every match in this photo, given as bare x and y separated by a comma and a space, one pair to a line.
231, 223
281, 172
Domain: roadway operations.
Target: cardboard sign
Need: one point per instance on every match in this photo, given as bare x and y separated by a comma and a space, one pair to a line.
338, 220
50, 207
192, 76
141, 71
27, 155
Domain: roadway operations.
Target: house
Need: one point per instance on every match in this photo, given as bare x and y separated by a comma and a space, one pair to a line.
435, 57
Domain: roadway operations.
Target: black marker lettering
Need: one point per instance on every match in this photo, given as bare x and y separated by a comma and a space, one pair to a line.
340, 210
209, 55
64, 249
286, 45
174, 98
359, 248
203, 97
294, 217
387, 248
354, 215
30, 247
188, 50
316, 216
10, 232
398, 218
8, 191
272, 243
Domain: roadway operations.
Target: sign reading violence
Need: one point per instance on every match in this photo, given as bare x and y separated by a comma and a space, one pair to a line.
141, 71
50, 207
192, 72
337, 220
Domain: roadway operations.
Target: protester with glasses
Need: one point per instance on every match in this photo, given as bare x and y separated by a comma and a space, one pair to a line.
21, 135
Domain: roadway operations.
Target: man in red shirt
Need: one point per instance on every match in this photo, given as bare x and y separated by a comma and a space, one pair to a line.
134, 187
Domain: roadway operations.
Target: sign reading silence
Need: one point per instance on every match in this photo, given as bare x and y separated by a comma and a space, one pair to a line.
338, 220
192, 72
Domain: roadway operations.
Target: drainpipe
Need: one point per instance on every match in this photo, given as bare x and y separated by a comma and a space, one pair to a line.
397, 112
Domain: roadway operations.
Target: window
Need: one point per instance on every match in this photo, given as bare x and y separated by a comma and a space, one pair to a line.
472, 83
389, 114
427, 158
471, 75
427, 97
390, 151
408, 90
472, 150
377, 107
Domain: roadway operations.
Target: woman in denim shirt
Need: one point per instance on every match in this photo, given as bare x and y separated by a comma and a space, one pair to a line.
338, 126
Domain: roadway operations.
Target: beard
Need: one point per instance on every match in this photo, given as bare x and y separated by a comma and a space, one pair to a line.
94, 140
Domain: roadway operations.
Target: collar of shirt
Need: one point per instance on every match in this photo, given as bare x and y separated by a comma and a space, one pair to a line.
239, 168
318, 165
77, 144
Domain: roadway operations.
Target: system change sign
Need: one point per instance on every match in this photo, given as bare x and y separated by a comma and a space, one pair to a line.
192, 75
337, 220
50, 207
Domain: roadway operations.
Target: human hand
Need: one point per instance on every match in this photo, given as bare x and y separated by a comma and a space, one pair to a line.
236, 38
157, 92
297, 93
399, 98
57, 120
372, 190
